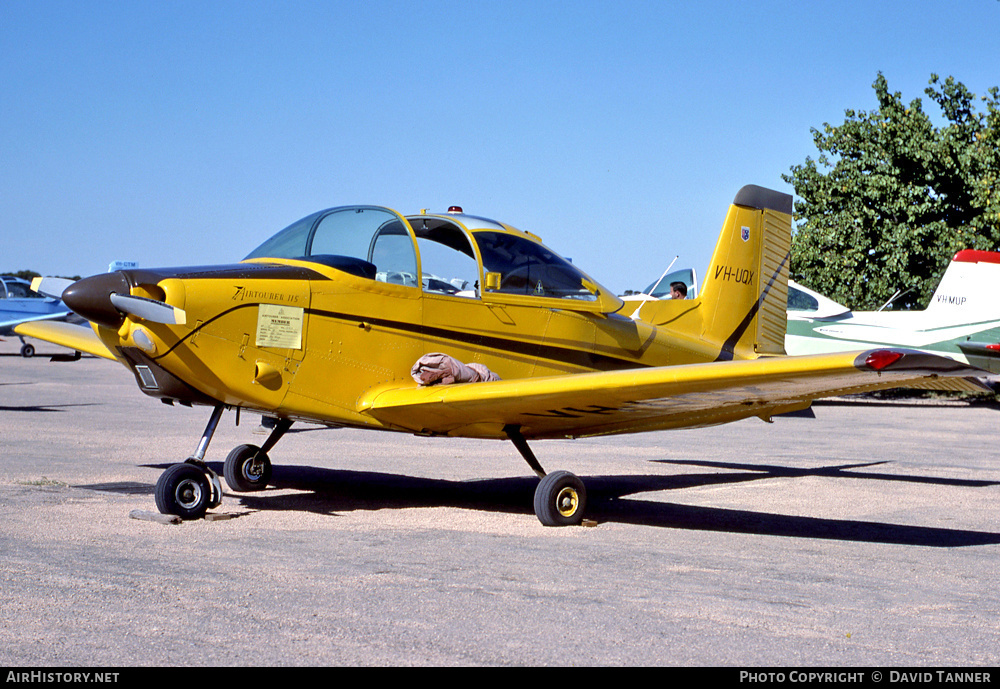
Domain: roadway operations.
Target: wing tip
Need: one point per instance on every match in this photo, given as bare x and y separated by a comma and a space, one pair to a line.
912, 360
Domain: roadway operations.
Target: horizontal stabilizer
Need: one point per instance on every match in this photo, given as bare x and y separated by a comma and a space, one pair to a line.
987, 349
967, 385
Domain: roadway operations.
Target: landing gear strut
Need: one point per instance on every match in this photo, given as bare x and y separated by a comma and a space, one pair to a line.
191, 488
560, 498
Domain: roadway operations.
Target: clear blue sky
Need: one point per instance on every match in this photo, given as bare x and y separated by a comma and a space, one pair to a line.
179, 133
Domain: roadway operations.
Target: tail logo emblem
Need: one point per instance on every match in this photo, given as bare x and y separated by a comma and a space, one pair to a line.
745, 234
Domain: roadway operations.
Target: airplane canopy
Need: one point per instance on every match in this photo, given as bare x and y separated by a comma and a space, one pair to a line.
804, 302
455, 254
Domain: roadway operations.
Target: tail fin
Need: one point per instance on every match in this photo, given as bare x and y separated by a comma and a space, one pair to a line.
744, 296
968, 288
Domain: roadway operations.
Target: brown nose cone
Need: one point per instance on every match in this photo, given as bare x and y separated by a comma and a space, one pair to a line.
91, 298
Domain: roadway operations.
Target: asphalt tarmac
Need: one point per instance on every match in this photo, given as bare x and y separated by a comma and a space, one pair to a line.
867, 536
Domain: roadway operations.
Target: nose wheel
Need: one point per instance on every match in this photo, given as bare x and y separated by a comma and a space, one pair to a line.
189, 489
27, 349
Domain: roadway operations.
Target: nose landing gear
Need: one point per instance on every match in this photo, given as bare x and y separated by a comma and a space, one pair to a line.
27, 349
191, 488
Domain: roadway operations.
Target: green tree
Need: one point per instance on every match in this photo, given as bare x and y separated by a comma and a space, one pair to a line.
26, 274
892, 197
29, 274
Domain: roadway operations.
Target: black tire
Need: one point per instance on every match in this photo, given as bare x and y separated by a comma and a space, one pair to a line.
183, 490
560, 499
239, 470
28, 351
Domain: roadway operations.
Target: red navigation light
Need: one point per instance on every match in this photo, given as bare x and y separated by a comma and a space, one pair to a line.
993, 347
882, 358
454, 209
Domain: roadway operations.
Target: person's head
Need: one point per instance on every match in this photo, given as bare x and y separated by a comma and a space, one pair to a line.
678, 290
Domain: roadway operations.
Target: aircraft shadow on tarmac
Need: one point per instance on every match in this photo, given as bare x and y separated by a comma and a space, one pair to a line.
35, 407
905, 399
42, 408
333, 491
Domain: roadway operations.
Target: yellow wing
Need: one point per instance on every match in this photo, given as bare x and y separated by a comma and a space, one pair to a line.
79, 337
687, 396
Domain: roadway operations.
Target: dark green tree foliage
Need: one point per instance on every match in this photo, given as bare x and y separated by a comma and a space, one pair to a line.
26, 274
892, 197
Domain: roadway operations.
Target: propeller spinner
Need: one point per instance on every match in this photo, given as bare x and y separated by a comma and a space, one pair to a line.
105, 299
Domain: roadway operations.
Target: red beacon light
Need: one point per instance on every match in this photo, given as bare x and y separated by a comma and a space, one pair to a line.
455, 209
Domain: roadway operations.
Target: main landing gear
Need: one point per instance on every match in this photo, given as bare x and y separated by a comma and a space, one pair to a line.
27, 349
560, 497
191, 488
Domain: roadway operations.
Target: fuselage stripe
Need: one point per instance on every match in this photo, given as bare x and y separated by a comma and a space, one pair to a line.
563, 355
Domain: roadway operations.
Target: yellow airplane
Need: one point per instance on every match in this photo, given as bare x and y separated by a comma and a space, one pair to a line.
332, 320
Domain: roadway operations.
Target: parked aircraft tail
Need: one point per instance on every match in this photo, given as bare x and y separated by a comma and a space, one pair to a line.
967, 291
744, 295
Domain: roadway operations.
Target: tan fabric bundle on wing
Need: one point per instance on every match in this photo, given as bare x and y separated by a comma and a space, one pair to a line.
437, 368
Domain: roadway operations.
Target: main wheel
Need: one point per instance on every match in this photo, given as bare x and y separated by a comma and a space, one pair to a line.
28, 351
243, 473
560, 499
184, 490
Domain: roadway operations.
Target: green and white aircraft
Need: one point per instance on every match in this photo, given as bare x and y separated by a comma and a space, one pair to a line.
962, 321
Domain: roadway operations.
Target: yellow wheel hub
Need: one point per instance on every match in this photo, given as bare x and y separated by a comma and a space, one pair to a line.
567, 502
